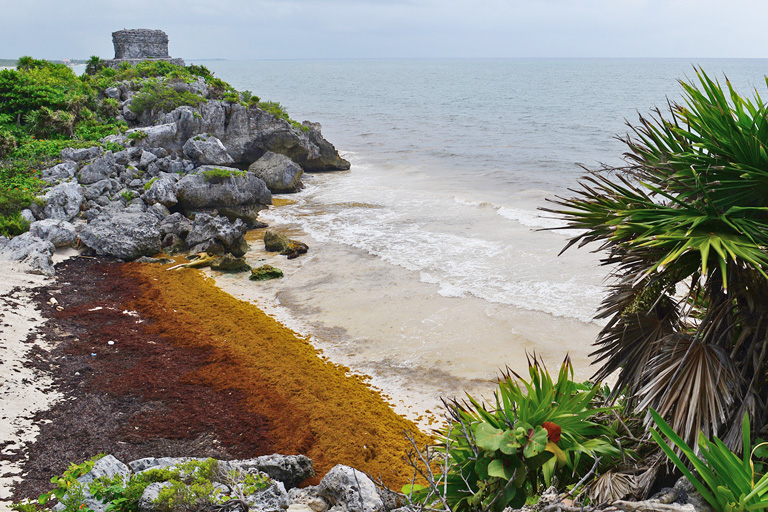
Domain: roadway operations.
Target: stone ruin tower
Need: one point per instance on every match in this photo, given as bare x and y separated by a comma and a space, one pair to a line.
136, 45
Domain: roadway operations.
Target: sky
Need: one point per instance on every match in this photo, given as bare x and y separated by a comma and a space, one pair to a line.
343, 29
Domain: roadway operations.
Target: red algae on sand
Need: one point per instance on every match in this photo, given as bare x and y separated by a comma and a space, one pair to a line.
311, 406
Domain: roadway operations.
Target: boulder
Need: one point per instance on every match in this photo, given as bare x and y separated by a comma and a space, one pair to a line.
275, 242
150, 495
209, 229
100, 188
265, 273
230, 264
175, 223
107, 466
126, 235
280, 173
63, 171
162, 190
79, 155
350, 489
292, 470
161, 135
59, 232
63, 201
32, 251
272, 499
204, 149
239, 196
249, 132
99, 169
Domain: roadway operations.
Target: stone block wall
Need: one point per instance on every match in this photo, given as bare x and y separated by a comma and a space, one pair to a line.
140, 44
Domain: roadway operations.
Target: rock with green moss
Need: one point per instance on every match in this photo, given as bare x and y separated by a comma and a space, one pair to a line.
229, 263
265, 273
276, 242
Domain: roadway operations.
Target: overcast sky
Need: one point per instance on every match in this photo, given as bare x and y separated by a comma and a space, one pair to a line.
312, 29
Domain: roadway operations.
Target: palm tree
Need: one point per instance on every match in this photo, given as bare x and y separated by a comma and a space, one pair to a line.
685, 228
93, 65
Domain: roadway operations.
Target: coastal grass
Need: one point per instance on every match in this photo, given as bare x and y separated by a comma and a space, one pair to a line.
311, 406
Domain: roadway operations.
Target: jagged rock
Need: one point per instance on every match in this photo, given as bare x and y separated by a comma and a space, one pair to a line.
328, 158
27, 215
280, 173
198, 190
107, 466
159, 211
78, 155
351, 489
112, 92
265, 273
248, 133
173, 244
32, 251
155, 136
63, 201
272, 499
207, 228
59, 232
204, 149
693, 497
98, 189
289, 469
141, 465
63, 171
147, 157
150, 495
306, 497
176, 224
240, 196
229, 263
99, 169
125, 235
275, 242
162, 190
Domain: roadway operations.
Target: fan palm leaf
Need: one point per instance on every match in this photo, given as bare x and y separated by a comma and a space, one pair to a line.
690, 209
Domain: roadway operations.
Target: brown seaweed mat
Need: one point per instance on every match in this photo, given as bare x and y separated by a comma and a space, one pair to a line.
192, 371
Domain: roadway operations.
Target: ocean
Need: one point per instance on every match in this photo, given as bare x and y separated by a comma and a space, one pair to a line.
430, 267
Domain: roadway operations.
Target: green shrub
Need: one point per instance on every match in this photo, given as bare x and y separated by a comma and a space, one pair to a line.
128, 195
540, 433
7, 143
13, 224
95, 130
137, 136
728, 482
217, 175
94, 65
45, 122
148, 185
155, 97
109, 107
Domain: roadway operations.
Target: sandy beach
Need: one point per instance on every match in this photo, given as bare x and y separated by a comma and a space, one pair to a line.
151, 362
24, 389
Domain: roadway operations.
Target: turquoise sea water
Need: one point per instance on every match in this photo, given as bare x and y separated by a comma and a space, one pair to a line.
427, 257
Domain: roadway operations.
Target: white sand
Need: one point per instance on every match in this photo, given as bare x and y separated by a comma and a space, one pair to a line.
23, 391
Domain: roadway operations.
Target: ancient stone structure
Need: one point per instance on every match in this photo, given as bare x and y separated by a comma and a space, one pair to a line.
136, 45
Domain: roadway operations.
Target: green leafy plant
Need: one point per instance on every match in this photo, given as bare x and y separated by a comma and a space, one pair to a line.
128, 195
218, 175
686, 214
68, 480
94, 65
136, 136
728, 482
155, 97
7, 143
148, 185
539, 432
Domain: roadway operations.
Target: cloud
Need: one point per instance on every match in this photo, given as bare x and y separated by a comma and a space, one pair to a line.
391, 28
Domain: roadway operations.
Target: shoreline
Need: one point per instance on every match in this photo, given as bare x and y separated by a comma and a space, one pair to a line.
25, 390
176, 384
